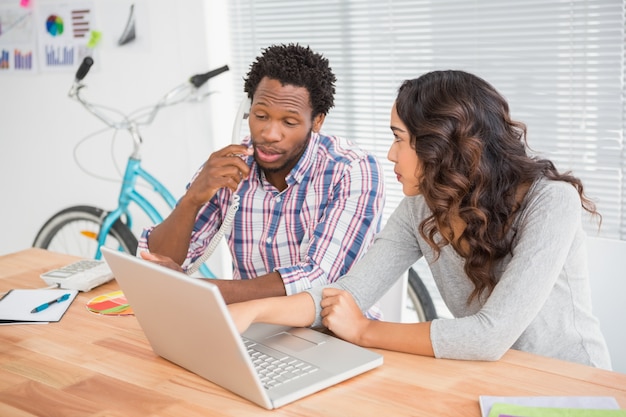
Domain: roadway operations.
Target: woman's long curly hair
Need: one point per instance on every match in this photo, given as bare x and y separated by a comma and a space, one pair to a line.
473, 161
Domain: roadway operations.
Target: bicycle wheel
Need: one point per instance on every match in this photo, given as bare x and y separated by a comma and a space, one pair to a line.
419, 298
74, 231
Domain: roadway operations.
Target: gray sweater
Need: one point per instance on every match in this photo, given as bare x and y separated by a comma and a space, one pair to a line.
541, 304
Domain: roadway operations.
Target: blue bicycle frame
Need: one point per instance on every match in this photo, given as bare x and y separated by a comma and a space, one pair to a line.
129, 194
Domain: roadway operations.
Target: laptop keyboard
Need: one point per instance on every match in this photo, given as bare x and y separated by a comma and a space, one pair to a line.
274, 367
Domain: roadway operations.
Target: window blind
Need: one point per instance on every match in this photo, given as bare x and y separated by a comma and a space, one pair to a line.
559, 63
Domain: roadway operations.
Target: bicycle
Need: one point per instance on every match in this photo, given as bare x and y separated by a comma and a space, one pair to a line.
82, 230
419, 298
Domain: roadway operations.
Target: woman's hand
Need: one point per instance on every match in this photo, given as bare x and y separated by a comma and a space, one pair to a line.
243, 314
341, 315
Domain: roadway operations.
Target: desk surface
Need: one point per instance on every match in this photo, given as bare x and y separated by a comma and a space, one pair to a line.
92, 365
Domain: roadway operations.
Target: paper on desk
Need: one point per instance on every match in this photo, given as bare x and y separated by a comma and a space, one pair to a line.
588, 402
16, 306
500, 410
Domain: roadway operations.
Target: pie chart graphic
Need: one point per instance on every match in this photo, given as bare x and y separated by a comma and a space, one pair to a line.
54, 25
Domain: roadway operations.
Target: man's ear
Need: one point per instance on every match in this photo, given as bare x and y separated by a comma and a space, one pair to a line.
318, 121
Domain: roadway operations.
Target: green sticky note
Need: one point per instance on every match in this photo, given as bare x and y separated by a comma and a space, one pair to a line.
94, 39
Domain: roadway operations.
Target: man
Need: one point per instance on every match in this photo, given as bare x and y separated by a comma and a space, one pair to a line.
310, 203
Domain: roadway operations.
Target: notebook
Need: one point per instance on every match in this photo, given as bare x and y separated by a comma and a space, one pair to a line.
187, 322
30, 306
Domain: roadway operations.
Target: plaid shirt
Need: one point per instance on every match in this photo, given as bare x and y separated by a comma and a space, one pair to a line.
311, 232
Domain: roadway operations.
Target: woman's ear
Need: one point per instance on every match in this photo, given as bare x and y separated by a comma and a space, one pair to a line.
318, 121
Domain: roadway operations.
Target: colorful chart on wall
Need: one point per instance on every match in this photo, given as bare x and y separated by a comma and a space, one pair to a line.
64, 29
54, 25
110, 304
17, 38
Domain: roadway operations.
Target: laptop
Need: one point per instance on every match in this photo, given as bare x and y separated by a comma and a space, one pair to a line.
187, 322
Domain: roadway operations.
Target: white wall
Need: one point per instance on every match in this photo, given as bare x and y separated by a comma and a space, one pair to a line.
40, 125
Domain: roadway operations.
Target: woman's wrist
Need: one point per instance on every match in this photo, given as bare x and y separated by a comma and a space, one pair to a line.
365, 335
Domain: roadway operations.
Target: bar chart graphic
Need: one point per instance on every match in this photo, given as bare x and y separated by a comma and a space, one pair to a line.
23, 60
4, 59
59, 56
80, 22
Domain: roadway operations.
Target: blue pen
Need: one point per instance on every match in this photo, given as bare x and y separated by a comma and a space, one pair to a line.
49, 303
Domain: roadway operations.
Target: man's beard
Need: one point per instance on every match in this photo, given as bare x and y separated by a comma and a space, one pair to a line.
290, 162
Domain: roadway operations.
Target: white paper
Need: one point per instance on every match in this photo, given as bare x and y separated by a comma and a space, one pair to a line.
16, 305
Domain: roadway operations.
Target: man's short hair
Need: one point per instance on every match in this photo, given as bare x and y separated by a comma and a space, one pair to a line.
299, 66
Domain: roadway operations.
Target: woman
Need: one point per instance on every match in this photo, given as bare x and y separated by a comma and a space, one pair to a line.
501, 231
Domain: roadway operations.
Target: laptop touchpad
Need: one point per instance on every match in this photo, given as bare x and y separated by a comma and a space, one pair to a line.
289, 341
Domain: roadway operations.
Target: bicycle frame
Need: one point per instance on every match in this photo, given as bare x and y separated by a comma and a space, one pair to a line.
129, 194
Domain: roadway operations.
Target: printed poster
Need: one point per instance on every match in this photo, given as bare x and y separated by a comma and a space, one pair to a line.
17, 38
64, 30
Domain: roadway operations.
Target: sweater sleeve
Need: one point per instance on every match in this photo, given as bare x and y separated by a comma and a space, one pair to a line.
546, 232
393, 251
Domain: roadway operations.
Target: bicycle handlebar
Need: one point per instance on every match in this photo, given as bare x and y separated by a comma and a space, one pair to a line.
199, 79
84, 68
183, 92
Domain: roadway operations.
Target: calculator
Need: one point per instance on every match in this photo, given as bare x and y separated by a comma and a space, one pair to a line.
82, 275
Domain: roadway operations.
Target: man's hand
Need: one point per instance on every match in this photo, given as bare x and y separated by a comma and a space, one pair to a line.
224, 169
161, 260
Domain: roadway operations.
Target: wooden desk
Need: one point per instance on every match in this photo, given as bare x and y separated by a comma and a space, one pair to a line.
91, 365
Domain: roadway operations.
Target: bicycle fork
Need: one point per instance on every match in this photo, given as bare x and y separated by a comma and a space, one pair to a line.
128, 194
